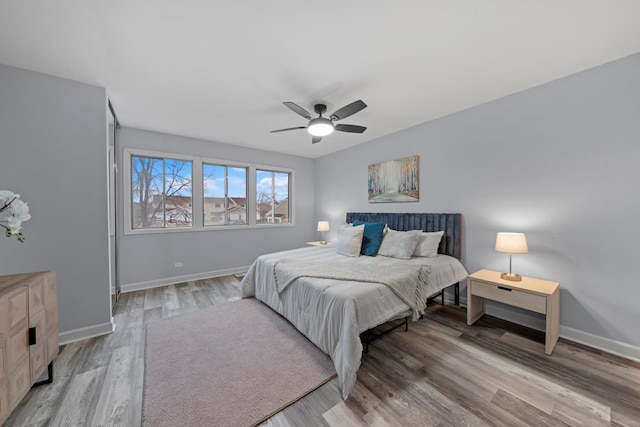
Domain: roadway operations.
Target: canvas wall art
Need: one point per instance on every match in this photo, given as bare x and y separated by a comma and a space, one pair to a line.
395, 181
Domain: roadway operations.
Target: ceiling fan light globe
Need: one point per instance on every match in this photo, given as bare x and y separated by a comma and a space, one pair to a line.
320, 127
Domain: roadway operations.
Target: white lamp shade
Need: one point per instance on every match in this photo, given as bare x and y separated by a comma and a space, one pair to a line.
512, 243
323, 225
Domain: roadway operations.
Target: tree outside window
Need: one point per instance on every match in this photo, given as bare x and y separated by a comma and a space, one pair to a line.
161, 192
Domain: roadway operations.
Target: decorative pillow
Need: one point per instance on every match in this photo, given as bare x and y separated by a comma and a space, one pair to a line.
399, 244
372, 237
350, 240
428, 244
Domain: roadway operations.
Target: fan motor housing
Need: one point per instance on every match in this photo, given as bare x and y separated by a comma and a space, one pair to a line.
320, 109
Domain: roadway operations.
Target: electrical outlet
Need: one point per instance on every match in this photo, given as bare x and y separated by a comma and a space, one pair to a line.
178, 264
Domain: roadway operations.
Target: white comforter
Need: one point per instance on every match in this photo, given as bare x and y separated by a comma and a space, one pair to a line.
333, 313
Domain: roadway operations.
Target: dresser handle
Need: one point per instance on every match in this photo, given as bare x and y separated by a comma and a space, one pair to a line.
32, 336
504, 289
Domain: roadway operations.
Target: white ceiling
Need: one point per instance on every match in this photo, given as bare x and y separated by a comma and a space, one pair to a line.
220, 71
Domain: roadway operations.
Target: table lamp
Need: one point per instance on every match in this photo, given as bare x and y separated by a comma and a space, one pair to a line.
511, 243
323, 226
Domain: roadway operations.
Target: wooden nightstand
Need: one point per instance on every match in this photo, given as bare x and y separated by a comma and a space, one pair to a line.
536, 295
319, 243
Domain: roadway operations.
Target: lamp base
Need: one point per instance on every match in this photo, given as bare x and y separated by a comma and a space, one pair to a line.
512, 277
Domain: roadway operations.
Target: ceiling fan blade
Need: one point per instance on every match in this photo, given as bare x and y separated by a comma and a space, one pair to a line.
316, 139
348, 110
350, 128
283, 130
298, 109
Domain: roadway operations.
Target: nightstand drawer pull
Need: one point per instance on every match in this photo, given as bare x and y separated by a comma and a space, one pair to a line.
505, 289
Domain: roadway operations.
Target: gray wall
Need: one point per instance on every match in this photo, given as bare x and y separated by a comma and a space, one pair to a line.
151, 257
53, 135
558, 162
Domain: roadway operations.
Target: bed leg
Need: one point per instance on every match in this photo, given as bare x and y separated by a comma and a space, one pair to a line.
368, 336
456, 290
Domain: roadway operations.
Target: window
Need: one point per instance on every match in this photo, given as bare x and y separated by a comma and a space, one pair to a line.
228, 194
272, 197
161, 193
225, 194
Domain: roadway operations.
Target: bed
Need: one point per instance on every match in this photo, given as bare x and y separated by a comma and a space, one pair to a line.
334, 313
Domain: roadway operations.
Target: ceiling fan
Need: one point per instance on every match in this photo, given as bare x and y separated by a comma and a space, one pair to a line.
321, 126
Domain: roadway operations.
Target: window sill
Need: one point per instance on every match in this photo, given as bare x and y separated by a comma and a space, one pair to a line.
142, 231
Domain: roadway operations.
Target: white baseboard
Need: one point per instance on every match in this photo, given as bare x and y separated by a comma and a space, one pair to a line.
131, 287
618, 348
88, 332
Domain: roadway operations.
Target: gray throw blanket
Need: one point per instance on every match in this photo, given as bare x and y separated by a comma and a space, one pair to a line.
407, 281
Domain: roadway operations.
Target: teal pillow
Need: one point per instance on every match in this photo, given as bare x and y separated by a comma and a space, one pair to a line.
372, 238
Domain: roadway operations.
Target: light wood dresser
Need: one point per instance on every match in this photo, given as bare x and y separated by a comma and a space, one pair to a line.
532, 294
28, 334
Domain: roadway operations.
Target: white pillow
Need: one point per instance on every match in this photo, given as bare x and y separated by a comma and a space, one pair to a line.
350, 240
428, 244
399, 244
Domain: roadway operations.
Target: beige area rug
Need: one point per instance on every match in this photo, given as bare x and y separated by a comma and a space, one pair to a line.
235, 364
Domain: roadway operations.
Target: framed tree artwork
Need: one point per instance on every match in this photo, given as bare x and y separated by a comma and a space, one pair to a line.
395, 181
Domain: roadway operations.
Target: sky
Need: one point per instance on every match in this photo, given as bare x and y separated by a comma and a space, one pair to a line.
237, 182
214, 178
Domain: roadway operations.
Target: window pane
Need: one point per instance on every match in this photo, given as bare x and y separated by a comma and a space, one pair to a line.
225, 194
264, 186
146, 192
272, 197
214, 191
178, 199
161, 192
237, 195
281, 191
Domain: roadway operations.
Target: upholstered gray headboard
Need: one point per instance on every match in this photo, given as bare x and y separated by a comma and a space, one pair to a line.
450, 223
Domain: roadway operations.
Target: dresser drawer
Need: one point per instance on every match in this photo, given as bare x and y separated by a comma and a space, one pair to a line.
511, 296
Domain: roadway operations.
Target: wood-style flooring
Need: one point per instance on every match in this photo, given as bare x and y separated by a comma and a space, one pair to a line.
439, 373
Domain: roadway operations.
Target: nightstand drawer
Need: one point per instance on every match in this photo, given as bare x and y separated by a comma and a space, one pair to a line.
508, 295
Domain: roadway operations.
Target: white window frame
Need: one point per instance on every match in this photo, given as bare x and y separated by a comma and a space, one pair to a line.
266, 168
225, 164
197, 192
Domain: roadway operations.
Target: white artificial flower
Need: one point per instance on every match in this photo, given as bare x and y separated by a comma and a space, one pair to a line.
6, 195
5, 198
20, 210
16, 212
14, 225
